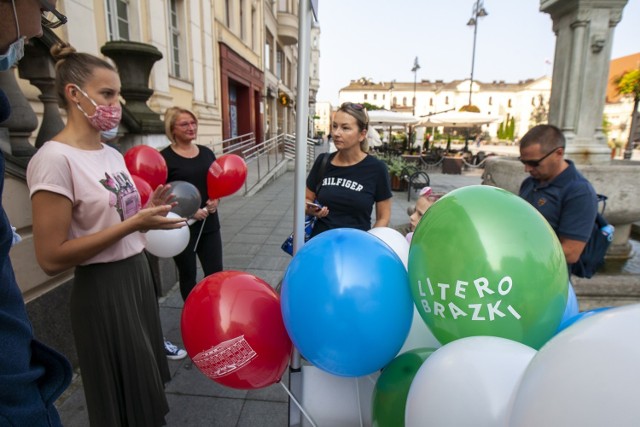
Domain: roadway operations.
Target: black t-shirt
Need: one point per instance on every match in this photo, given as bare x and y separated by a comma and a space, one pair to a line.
194, 171
350, 193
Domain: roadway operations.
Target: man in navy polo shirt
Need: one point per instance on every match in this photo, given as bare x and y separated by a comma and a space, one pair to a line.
557, 190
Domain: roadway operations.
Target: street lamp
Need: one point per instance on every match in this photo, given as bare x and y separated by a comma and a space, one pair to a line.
477, 12
415, 69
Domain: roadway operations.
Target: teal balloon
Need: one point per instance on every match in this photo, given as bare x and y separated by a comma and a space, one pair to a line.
392, 388
483, 261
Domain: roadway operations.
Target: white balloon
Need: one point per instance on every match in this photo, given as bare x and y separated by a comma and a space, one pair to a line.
587, 375
420, 335
468, 382
395, 240
167, 243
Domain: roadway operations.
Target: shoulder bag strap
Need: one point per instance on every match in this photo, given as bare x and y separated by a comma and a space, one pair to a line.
321, 171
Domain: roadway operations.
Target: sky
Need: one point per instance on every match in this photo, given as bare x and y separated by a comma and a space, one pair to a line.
379, 39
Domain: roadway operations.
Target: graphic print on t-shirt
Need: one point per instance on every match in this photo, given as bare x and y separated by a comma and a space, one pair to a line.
122, 194
342, 182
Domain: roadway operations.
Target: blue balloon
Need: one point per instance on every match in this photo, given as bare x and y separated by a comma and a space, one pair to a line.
583, 315
571, 308
346, 302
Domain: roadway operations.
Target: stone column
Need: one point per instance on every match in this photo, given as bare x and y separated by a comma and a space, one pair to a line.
584, 30
22, 121
37, 66
134, 62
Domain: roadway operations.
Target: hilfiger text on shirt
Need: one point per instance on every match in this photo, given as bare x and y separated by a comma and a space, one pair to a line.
341, 182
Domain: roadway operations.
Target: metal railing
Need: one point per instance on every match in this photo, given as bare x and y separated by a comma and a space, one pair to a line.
262, 158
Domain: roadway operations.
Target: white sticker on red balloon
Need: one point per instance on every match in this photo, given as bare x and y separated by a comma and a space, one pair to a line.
215, 169
225, 358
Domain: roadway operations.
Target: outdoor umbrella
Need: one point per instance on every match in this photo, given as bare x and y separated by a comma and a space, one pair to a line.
458, 119
386, 118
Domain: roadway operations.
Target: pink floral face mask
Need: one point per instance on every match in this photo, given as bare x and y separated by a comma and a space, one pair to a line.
106, 117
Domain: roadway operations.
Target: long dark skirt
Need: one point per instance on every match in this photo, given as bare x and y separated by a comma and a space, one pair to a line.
116, 326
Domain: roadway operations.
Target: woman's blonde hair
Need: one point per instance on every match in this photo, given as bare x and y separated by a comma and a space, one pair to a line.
74, 67
170, 117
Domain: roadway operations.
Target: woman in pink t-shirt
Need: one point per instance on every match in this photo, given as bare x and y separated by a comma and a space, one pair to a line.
87, 215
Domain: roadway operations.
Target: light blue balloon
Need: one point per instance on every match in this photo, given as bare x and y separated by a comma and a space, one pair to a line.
582, 315
571, 308
346, 302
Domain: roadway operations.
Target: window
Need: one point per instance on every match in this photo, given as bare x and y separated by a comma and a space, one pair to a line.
288, 76
279, 61
383, 96
267, 52
227, 11
430, 102
446, 100
375, 96
404, 101
533, 101
117, 19
509, 103
176, 39
395, 101
491, 100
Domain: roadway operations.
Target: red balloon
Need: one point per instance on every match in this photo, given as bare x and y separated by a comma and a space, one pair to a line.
226, 176
233, 330
147, 163
144, 189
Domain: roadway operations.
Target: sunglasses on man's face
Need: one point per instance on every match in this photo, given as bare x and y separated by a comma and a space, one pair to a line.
51, 18
536, 163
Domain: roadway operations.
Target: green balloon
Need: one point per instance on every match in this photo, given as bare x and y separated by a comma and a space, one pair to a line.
392, 388
483, 261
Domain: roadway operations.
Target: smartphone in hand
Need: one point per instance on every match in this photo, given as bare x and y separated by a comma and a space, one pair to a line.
314, 206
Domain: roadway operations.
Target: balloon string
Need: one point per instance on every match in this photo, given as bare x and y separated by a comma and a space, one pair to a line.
195, 247
359, 403
298, 405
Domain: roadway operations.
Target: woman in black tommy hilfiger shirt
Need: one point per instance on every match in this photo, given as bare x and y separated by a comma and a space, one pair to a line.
353, 182
187, 161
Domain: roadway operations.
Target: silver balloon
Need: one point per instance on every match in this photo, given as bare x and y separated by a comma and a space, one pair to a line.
188, 198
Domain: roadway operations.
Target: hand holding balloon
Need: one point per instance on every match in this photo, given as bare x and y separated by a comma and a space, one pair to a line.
161, 196
212, 205
157, 218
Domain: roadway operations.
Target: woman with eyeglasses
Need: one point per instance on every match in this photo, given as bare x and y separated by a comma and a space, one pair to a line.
188, 161
87, 214
353, 181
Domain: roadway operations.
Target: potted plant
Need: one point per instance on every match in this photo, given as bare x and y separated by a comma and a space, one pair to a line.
397, 167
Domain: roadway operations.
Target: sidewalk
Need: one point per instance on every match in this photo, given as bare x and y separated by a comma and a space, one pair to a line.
253, 228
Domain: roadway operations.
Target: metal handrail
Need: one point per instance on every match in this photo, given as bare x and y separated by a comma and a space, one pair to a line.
238, 143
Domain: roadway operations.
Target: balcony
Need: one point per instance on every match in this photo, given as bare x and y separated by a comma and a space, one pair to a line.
287, 28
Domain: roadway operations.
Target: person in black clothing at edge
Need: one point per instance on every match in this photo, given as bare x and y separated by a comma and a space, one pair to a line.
352, 182
188, 161
32, 375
